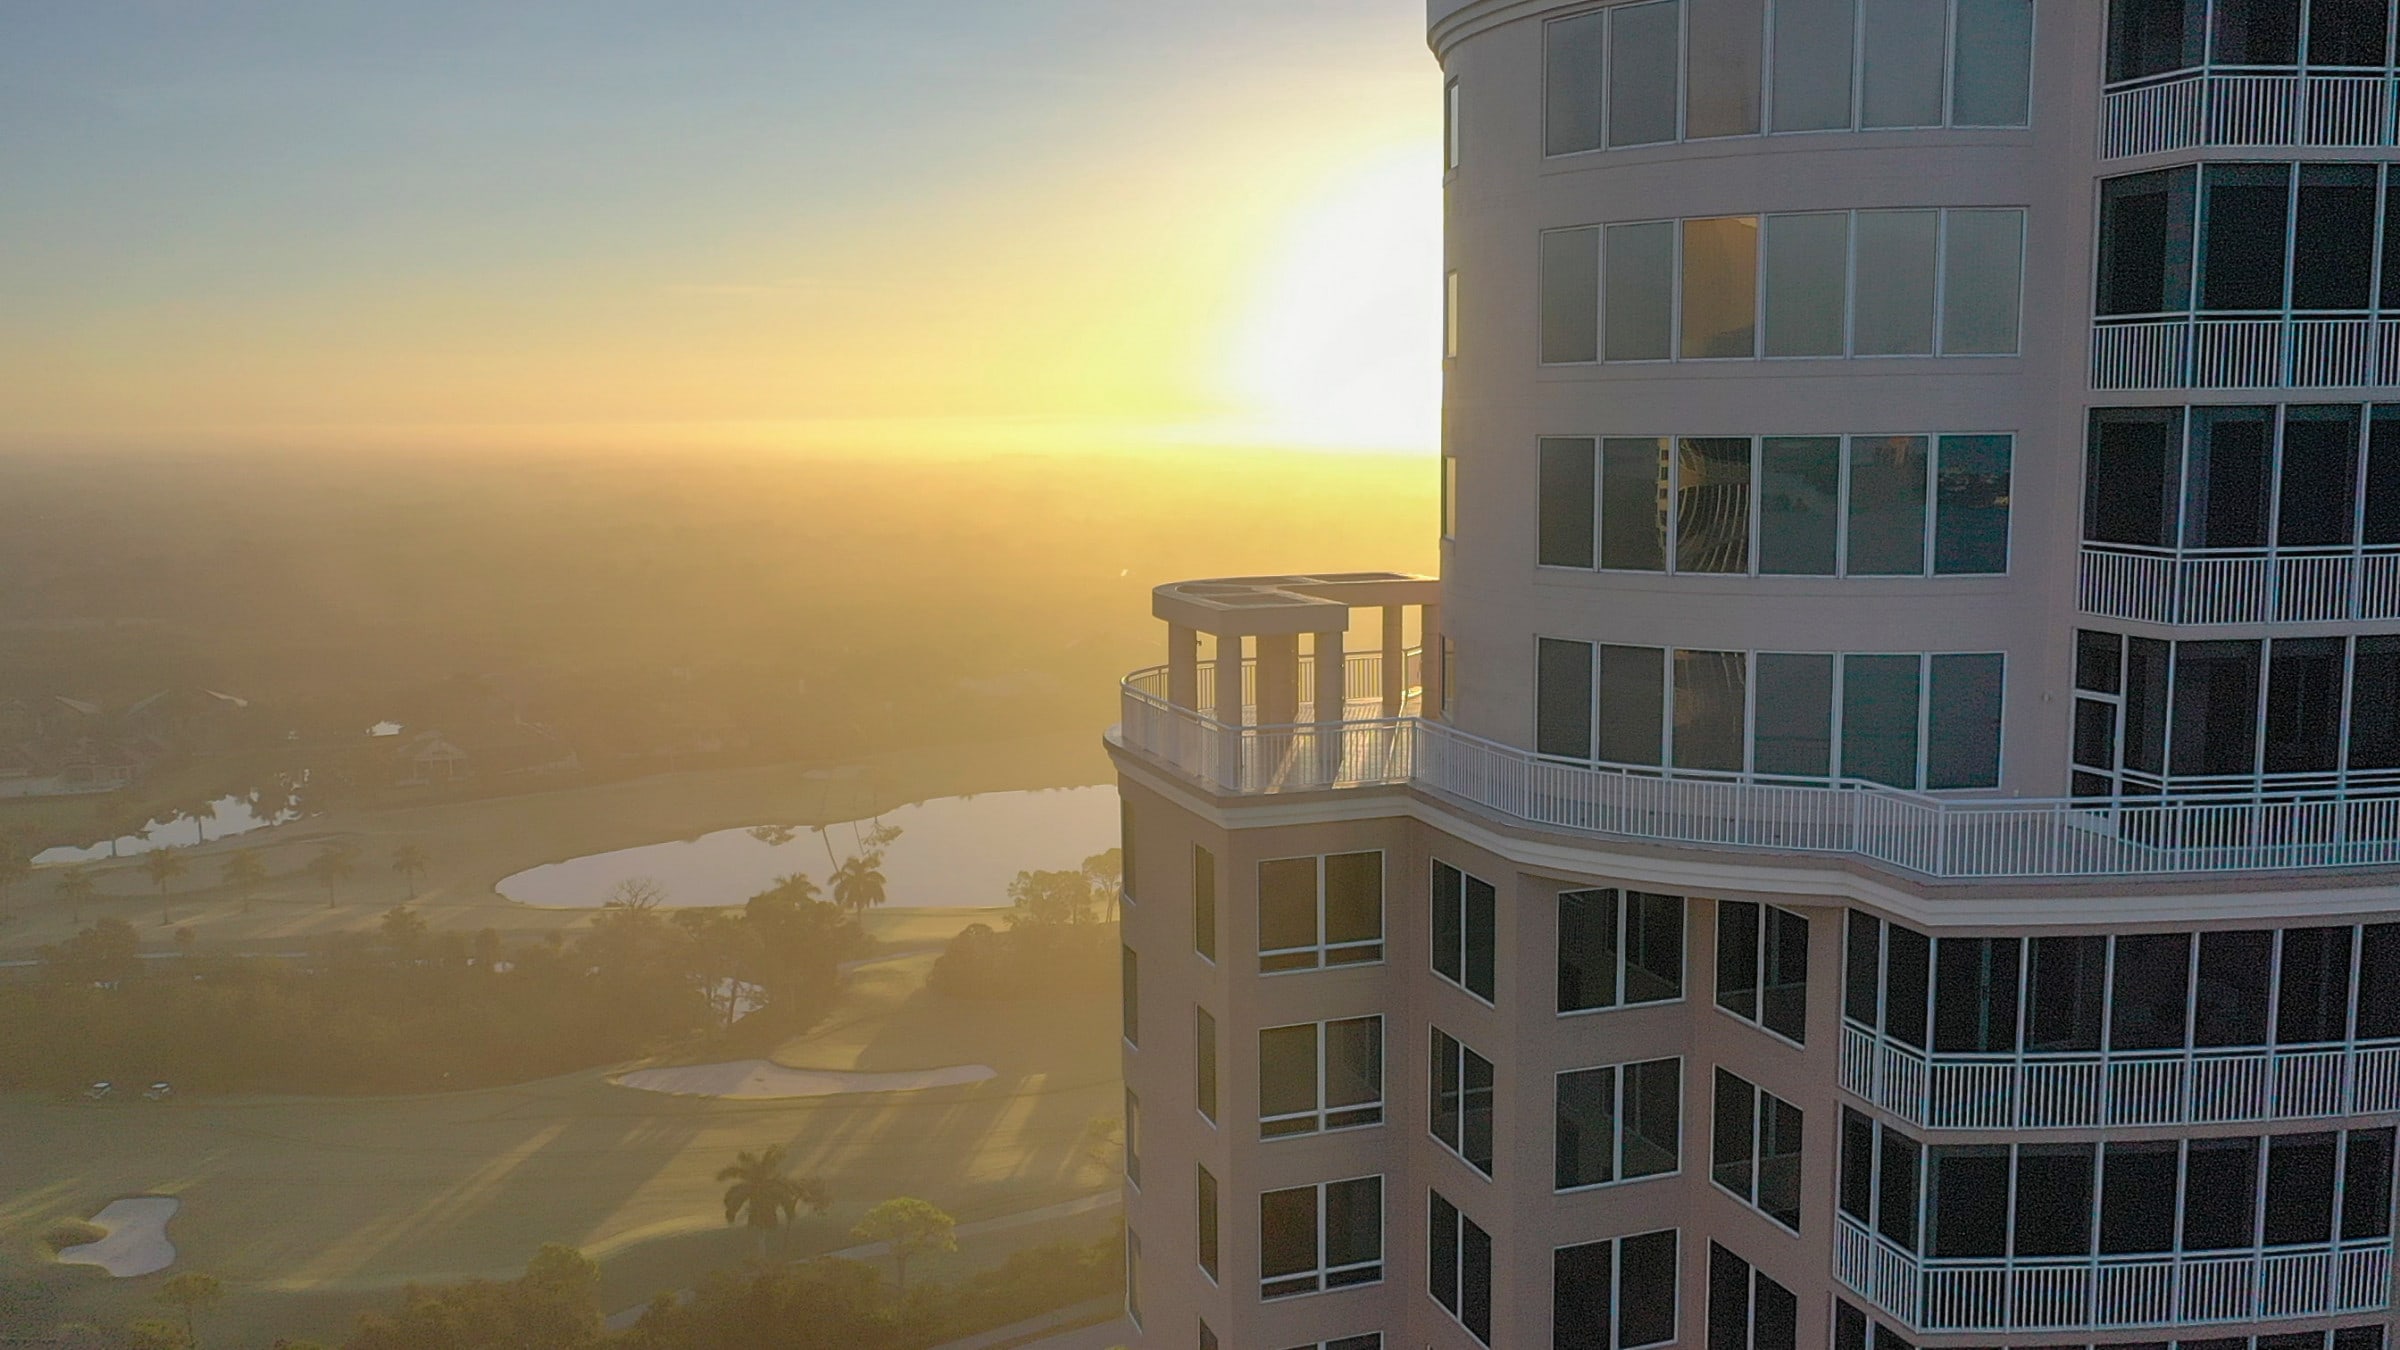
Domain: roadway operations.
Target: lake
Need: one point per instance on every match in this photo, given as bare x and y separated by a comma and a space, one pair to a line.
233, 816
952, 851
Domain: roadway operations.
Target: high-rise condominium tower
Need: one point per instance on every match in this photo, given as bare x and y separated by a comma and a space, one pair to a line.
1886, 832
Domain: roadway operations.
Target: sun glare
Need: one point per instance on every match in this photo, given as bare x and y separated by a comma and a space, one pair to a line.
1340, 347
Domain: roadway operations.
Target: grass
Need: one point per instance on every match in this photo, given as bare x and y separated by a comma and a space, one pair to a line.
313, 1209
474, 845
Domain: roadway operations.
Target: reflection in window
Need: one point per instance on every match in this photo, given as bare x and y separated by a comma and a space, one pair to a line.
1619, 1123
1618, 949
1720, 287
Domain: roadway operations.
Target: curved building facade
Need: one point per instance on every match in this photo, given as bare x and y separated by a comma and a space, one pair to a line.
1886, 832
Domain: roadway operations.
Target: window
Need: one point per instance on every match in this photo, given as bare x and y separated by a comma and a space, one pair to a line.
2039, 1202
2187, 715
1449, 496
1617, 1295
2260, 240
1619, 78
1317, 1076
1756, 1149
1459, 1266
1618, 949
1314, 1238
1133, 1139
1208, 1224
1465, 931
1909, 505
1942, 283
1133, 999
1462, 1101
1451, 155
1204, 1063
1204, 903
1373, 1340
1762, 967
1619, 1123
1208, 1338
1324, 911
1746, 1310
1133, 1276
1450, 319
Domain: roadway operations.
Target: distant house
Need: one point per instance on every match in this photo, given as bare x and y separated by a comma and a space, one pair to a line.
194, 720
67, 768
486, 752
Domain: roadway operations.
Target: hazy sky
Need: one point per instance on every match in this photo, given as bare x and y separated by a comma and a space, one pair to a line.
348, 223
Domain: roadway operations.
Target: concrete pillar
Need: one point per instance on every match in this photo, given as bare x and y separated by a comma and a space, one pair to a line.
1395, 659
1437, 673
1333, 694
1183, 666
1278, 679
1224, 766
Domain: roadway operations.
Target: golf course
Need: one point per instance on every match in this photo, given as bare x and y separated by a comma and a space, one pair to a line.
312, 1209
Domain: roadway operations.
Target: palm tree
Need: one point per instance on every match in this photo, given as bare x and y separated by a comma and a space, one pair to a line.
409, 861
75, 886
162, 866
911, 1226
858, 884
332, 866
770, 1195
201, 811
243, 872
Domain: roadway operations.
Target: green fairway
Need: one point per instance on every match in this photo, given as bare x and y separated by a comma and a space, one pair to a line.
313, 1209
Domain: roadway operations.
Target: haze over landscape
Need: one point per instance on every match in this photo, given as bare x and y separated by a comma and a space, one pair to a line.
444, 441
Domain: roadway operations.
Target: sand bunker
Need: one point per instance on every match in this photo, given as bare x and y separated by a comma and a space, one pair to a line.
758, 1078
137, 1238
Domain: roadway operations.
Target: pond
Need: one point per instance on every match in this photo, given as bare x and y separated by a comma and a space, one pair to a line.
231, 816
952, 852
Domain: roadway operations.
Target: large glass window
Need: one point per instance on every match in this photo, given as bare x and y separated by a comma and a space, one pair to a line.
1638, 323
1642, 72
1991, 79
1983, 255
1711, 710
1462, 1101
1795, 714
1722, 78
1466, 931
1209, 1241
1567, 532
1894, 316
1325, 911
2146, 242
1720, 287
1762, 966
1204, 902
1316, 1076
1746, 1310
1571, 65
1712, 494
1633, 493
1314, 1238
1618, 949
1616, 1295
1619, 1123
1755, 1148
1879, 719
1570, 296
1887, 505
1806, 261
1459, 1267
1563, 699
1204, 1063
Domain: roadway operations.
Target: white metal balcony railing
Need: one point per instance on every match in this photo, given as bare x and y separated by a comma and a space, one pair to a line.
2186, 352
2120, 1088
1941, 837
2240, 586
2244, 109
2110, 1293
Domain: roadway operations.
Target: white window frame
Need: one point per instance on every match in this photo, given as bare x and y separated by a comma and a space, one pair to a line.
1322, 1276
1758, 961
1683, 953
1758, 1097
1322, 953
1616, 1279
1457, 1052
1616, 1141
1464, 942
1320, 1119
1458, 1274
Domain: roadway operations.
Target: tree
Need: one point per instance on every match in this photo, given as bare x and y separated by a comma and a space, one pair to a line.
243, 872
409, 861
642, 893
1049, 898
858, 885
201, 811
1106, 874
771, 1196
189, 1293
105, 952
162, 866
333, 865
75, 886
404, 932
910, 1226
15, 864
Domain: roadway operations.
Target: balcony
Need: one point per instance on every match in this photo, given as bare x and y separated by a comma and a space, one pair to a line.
2186, 352
2111, 1293
2233, 586
2120, 1088
2247, 109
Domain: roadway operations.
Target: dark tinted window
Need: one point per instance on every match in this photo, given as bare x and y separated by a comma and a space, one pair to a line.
2054, 1200
2375, 703
2152, 37
1587, 950
1976, 1008
1896, 1203
2300, 1189
2148, 1003
1583, 1297
1858, 1166
2381, 524
1646, 1290
1968, 1203
2320, 475
1908, 959
2347, 32
2333, 254
2137, 1197
2312, 1000
2367, 1186
2245, 218
2220, 1192
1861, 984
2129, 476
1563, 699
2065, 997
2255, 33
2379, 982
2304, 705
2216, 708
1737, 957
1567, 527
2230, 478
2146, 243
2232, 1004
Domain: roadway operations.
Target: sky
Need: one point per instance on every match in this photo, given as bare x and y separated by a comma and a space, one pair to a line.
358, 224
